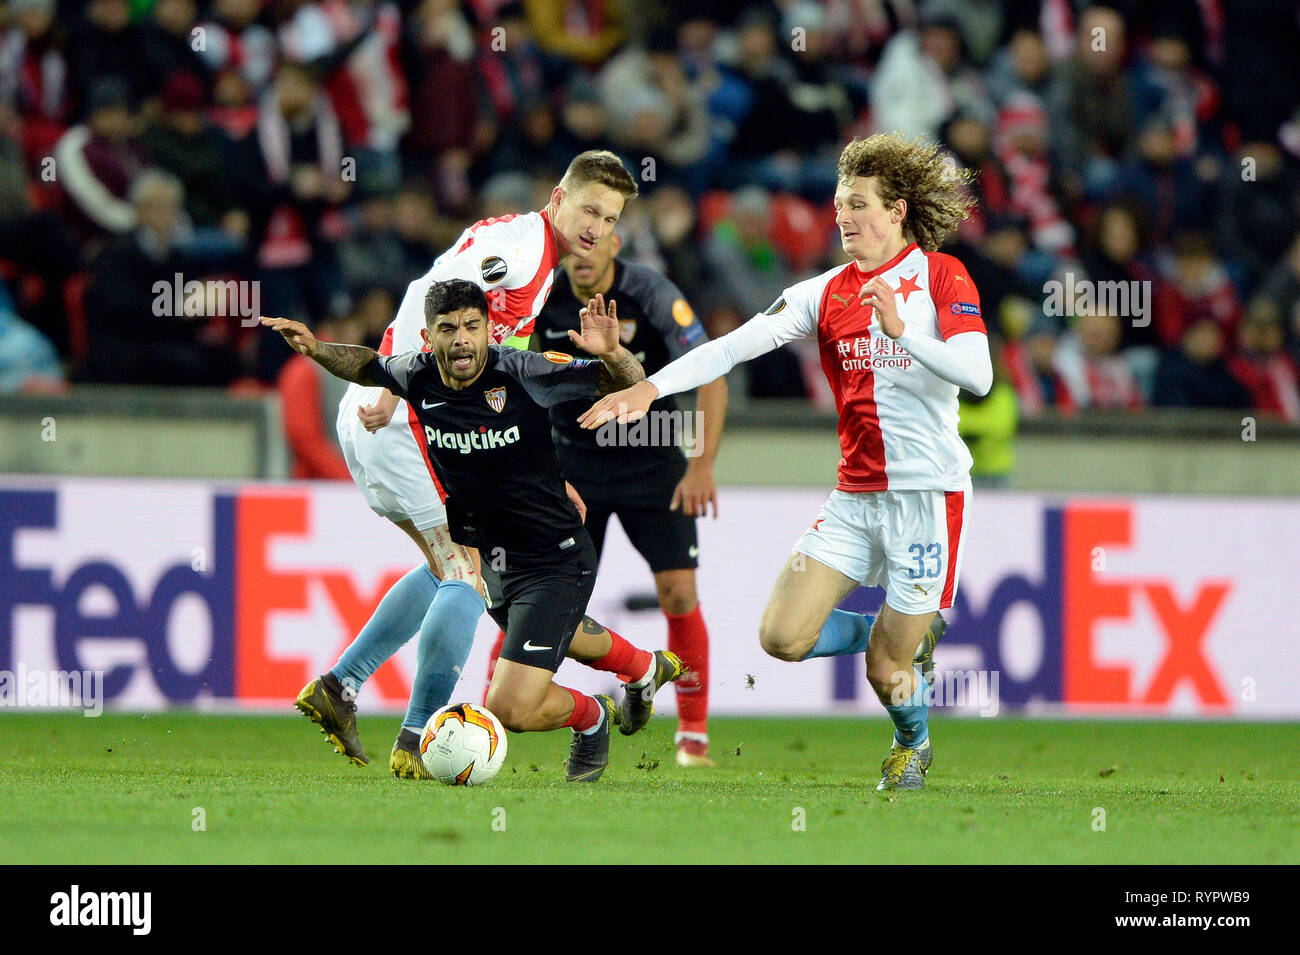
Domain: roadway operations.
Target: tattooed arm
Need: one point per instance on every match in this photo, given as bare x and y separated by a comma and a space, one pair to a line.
348, 362
599, 337
621, 370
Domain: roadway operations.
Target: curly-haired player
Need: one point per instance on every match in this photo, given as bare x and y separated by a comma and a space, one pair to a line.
900, 331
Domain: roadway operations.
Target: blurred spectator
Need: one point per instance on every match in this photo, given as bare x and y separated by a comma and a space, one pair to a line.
34, 82
302, 152
1263, 367
909, 94
673, 222
1260, 70
377, 251
234, 110
749, 275
1028, 362
943, 42
585, 32
1113, 254
441, 61
167, 42
355, 45
97, 161
28, 360
138, 335
1091, 106
779, 142
309, 400
1196, 375
1282, 287
215, 173
234, 40
1023, 66
1168, 185
1258, 207
742, 257
105, 44
1193, 285
1021, 147
1092, 371
652, 108
37, 254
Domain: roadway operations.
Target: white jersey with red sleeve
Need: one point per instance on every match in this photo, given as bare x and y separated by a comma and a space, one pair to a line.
512, 258
897, 418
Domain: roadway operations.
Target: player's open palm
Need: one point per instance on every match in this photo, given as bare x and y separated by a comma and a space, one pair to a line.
599, 335
297, 334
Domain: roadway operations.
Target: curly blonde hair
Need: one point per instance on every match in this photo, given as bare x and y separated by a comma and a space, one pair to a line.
919, 173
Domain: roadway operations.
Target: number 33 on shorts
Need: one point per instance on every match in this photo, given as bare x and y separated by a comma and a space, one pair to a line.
928, 559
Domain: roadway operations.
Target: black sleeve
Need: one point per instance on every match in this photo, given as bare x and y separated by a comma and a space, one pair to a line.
395, 372
551, 378
667, 309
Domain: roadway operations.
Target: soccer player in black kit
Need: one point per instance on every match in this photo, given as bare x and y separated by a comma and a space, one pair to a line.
488, 436
657, 479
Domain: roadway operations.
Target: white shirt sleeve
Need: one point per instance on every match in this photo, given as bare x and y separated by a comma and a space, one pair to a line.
792, 316
962, 360
519, 243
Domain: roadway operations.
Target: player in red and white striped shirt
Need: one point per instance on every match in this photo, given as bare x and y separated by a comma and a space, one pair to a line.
900, 331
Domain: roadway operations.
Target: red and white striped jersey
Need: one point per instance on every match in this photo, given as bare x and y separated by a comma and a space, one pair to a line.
512, 258
897, 420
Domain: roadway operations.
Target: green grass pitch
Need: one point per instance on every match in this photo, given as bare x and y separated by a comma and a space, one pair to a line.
127, 789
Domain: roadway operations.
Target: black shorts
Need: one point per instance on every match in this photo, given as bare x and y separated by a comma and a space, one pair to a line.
539, 601
666, 539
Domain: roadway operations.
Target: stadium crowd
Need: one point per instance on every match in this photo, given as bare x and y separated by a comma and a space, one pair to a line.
330, 150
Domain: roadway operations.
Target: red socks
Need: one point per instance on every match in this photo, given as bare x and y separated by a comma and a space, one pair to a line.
586, 711
624, 659
492, 662
688, 637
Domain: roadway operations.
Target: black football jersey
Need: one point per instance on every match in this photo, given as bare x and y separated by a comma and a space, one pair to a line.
490, 444
657, 325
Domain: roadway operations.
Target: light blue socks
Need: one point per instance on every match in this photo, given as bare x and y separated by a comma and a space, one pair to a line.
911, 726
843, 632
446, 635
394, 621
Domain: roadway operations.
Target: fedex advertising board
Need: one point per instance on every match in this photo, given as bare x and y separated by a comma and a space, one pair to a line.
189, 593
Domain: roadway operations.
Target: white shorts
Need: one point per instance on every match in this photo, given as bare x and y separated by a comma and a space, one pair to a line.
908, 542
390, 466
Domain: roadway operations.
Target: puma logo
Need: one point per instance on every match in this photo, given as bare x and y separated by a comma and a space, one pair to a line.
846, 300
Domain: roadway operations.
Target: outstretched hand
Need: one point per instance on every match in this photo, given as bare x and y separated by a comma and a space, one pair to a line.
599, 335
297, 334
630, 404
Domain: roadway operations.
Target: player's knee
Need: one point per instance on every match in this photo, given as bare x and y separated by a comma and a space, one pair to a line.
514, 714
884, 675
782, 641
677, 598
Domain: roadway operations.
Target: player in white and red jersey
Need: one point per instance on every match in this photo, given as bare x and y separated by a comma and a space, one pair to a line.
900, 331
512, 258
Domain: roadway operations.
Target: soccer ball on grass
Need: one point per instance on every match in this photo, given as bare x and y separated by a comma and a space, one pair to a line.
463, 744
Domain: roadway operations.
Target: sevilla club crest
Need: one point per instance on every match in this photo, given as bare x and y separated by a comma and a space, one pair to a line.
496, 398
